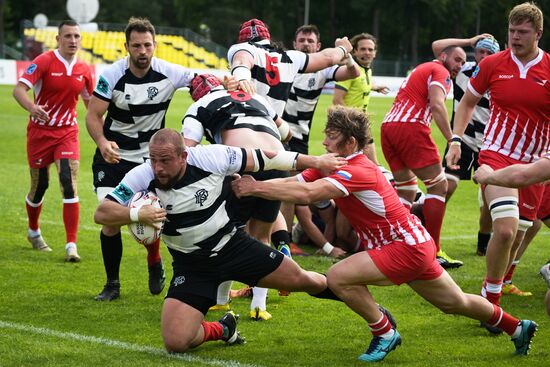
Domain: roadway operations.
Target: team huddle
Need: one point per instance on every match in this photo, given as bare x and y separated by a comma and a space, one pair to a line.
224, 205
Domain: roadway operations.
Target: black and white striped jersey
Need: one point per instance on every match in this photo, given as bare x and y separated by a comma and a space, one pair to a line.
473, 135
274, 70
221, 110
199, 209
303, 98
137, 106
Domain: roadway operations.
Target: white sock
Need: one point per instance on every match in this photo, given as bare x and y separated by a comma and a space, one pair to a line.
517, 331
389, 334
259, 298
33, 233
223, 292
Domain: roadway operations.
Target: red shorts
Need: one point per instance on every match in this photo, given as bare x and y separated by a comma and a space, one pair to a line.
44, 146
529, 197
402, 263
408, 145
544, 209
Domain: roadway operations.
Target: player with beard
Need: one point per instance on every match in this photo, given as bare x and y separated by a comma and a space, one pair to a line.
407, 142
135, 92
194, 186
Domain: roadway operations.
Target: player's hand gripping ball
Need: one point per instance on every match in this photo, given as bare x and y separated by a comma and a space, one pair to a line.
144, 233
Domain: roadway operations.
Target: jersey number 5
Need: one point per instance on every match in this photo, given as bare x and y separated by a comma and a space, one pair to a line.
271, 70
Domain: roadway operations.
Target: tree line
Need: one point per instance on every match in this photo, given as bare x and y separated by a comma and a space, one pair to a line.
405, 28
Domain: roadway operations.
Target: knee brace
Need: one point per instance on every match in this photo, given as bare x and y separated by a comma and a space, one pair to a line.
410, 185
40, 185
429, 183
504, 207
65, 179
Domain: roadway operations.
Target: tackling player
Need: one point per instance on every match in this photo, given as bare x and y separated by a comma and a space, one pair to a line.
398, 248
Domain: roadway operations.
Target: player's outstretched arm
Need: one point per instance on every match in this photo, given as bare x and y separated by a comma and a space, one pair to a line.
329, 56
263, 160
286, 190
440, 45
517, 175
110, 213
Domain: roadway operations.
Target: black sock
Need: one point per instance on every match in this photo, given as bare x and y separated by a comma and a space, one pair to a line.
111, 249
327, 293
483, 239
280, 238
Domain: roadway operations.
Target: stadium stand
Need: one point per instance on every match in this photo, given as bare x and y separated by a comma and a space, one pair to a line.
106, 47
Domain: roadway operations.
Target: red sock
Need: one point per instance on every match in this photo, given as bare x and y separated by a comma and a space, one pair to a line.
492, 290
434, 210
33, 213
380, 327
212, 330
508, 278
153, 253
71, 215
502, 320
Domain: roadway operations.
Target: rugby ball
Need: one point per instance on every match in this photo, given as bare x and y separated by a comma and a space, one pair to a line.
144, 233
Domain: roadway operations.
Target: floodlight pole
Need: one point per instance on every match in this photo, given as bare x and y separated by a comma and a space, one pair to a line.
2, 54
306, 12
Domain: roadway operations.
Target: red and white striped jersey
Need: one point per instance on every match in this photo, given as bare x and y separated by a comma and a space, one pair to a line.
57, 85
412, 102
371, 204
519, 123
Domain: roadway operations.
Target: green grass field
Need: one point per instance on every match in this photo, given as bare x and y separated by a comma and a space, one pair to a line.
48, 316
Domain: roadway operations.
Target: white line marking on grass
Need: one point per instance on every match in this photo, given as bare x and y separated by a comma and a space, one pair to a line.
121, 345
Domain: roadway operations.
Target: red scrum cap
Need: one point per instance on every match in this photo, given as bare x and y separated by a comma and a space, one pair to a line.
253, 30
202, 84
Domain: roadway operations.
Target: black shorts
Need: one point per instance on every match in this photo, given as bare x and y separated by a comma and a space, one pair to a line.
258, 208
468, 162
197, 278
109, 175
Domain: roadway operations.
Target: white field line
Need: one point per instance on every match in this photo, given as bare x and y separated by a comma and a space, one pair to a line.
129, 347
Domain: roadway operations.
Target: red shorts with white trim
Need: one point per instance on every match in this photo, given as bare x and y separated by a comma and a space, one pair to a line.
408, 145
529, 198
44, 146
402, 263
544, 209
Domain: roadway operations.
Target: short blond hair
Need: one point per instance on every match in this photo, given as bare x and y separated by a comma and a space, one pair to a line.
527, 12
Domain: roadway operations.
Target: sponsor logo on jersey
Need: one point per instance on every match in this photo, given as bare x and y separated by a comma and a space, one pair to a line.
56, 74
475, 71
152, 92
540, 82
344, 174
102, 85
201, 196
31, 69
179, 280
240, 96
100, 176
232, 155
448, 81
530, 207
66, 153
506, 76
311, 83
123, 192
